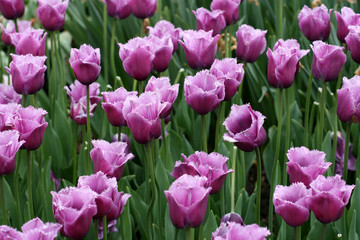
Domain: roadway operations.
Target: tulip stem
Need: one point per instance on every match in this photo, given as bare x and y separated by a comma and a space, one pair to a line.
346, 154
258, 186
153, 187
75, 155
204, 139
106, 64
53, 80
189, 233
29, 184
16, 25
88, 127
105, 231
164, 142
307, 109
287, 141
96, 221
160, 9
16, 185
322, 113
297, 233
323, 232
233, 180
280, 19
358, 160
112, 49
2, 201
119, 134
219, 120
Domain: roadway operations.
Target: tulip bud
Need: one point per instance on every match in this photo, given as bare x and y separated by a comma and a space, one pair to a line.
353, 41
143, 8
51, 13
230, 8
9, 145
207, 20
12, 9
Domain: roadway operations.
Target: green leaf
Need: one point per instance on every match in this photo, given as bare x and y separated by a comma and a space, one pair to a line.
209, 227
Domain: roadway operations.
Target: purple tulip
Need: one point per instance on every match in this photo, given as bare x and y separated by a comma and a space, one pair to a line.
340, 152
305, 165
51, 13
29, 41
118, 8
85, 63
110, 158
328, 61
348, 108
8, 95
31, 126
162, 49
167, 93
55, 180
200, 48
113, 105
165, 30
251, 43
207, 20
10, 29
27, 73
125, 139
212, 166
329, 198
347, 18
204, 92
353, 41
8, 116
111, 227
291, 203
231, 72
319, 17
188, 197
142, 115
77, 95
119, 201
12, 9
9, 233
74, 208
232, 217
35, 229
232, 230
143, 8
230, 8
245, 127
9, 145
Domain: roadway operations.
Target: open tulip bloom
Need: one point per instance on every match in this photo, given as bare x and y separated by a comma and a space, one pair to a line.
165, 30
10, 28
51, 13
353, 41
207, 20
9, 95
229, 7
347, 18
233, 230
118, 8
29, 41
9, 146
36, 229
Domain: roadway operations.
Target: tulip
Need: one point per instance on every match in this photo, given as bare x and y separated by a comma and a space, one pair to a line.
142, 115
85, 63
207, 20
143, 8
119, 201
27, 72
305, 165
110, 158
165, 30
329, 198
232, 217
291, 203
118, 8
347, 18
113, 105
29, 41
51, 13
9, 145
167, 93
123, 138
319, 17
200, 48
162, 50
352, 41
348, 100
111, 227
77, 95
12, 9
212, 166
8, 95
328, 61
55, 180
8, 116
232, 230
188, 199
10, 28
251, 43
9, 233
31, 126
204, 92
340, 154
36, 229
74, 208
230, 8
231, 72
245, 127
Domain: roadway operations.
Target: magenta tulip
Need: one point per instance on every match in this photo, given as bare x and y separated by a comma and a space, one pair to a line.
347, 18
29, 41
118, 8
353, 41
232, 217
207, 20
8, 116
319, 17
9, 145
12, 9
340, 154
162, 50
8, 95
230, 8
233, 230
125, 139
143, 8
10, 29
9, 233
165, 30
35, 229
51, 13
348, 108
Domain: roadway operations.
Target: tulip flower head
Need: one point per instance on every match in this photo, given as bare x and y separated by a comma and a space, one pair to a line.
29, 41
51, 13
340, 154
232, 217
9, 145
207, 20
9, 95
245, 127
10, 233
125, 139
165, 30
187, 198
118, 8
36, 229
162, 50
143, 8
229, 7
319, 17
12, 9
251, 43
233, 230
8, 116
352, 41
348, 100
10, 29
347, 18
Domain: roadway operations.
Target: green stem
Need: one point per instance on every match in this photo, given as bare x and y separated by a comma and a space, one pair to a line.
258, 186
1, 68
297, 233
226, 41
159, 5
358, 160
96, 221
164, 142
29, 184
53, 80
142, 28
219, 120
88, 127
105, 53
287, 141
203, 126
75, 155
42, 186
2, 201
307, 109
119, 134
233, 180
16, 25
105, 231
16, 185
323, 232
189, 233
61, 83
243, 170
140, 87
153, 188
346, 154
112, 50
322, 113
280, 19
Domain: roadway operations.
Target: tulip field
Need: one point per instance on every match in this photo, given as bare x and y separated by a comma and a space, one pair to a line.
179, 119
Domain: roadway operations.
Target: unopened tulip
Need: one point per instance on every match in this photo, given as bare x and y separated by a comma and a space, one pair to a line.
349, 99
36, 229
118, 8
232, 217
329, 198
10, 29
245, 128
51, 13
125, 139
315, 23
340, 154
230, 8
353, 41
12, 9
200, 48
165, 30
207, 20
162, 49
143, 8
8, 95
29, 41
251, 43
187, 198
204, 92
9, 233
347, 18
9, 145
27, 73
